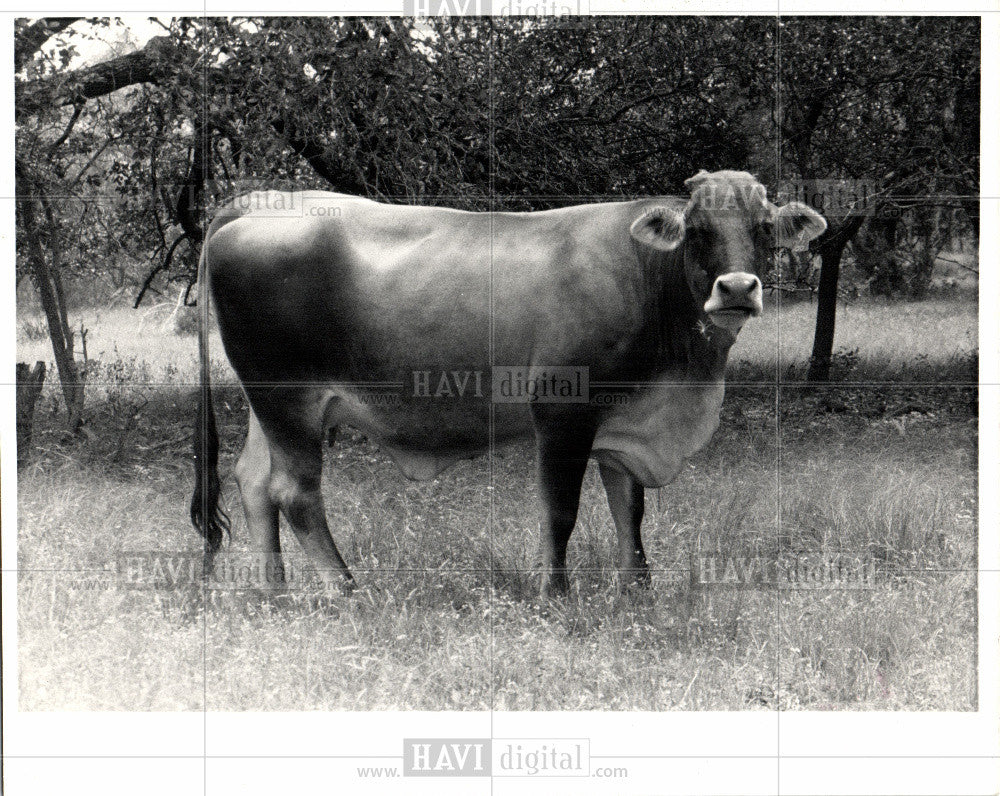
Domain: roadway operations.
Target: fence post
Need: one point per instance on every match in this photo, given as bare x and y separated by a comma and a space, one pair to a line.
29, 387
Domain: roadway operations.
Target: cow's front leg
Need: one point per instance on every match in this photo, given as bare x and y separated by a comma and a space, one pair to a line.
626, 499
563, 441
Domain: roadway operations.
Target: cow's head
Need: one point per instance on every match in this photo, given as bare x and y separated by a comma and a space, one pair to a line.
728, 231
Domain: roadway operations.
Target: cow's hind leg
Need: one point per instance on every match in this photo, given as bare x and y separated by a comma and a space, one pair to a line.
296, 470
563, 447
626, 499
253, 475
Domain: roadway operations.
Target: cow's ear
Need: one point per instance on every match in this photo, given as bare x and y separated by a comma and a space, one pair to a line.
693, 182
796, 224
659, 227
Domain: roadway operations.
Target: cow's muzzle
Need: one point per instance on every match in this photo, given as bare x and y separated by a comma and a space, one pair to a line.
735, 297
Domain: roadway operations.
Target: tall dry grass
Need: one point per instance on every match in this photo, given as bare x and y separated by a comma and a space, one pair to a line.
445, 615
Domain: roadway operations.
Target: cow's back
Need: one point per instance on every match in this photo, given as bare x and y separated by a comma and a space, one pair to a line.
376, 303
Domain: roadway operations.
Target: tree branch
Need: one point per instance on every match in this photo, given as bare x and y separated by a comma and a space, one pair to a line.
77, 110
316, 156
189, 210
162, 266
960, 265
154, 62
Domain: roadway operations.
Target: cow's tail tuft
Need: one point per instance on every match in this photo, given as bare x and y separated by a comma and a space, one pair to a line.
207, 514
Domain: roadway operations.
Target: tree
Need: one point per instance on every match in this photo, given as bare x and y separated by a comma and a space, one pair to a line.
131, 149
41, 242
622, 106
504, 113
877, 102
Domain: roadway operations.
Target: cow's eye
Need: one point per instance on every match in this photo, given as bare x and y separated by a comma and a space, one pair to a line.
767, 232
695, 235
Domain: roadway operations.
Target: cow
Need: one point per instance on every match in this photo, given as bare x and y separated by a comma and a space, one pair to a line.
323, 299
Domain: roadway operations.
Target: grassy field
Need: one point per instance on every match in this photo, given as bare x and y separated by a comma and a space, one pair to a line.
445, 616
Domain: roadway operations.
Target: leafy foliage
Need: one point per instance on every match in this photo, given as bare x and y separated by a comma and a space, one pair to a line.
506, 113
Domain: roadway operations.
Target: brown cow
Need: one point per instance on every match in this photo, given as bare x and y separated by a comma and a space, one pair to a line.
324, 300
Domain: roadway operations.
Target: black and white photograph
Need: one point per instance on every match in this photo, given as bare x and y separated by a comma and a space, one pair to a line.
487, 398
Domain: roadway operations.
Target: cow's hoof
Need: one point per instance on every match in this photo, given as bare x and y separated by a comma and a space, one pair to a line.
341, 586
634, 580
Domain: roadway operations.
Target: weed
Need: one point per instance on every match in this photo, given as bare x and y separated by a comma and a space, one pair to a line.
33, 330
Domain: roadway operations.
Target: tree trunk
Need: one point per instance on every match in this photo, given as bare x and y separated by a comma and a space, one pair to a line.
50, 293
925, 251
29, 387
830, 250
826, 311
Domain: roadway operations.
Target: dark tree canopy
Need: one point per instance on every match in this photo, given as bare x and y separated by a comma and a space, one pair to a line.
515, 113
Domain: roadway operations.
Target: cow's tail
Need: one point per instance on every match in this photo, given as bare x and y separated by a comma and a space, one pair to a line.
207, 514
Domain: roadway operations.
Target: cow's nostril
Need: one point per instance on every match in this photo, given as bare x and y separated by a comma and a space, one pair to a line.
736, 285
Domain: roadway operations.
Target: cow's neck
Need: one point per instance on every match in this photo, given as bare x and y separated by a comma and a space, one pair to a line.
684, 341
